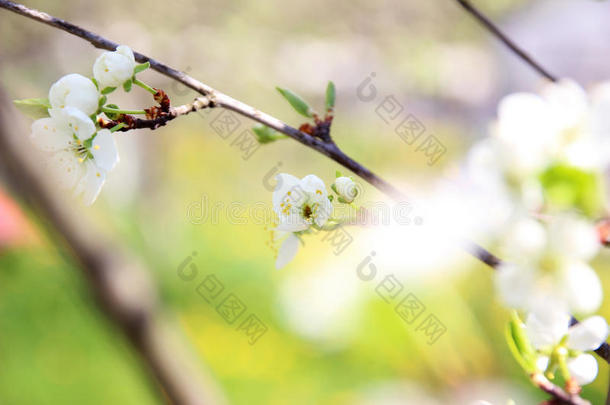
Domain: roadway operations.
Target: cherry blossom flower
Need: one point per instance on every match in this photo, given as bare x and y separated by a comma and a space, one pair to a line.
551, 335
75, 91
79, 158
299, 204
550, 262
112, 69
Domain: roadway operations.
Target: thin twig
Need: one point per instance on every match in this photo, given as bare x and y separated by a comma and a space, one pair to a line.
216, 98
132, 122
560, 397
486, 22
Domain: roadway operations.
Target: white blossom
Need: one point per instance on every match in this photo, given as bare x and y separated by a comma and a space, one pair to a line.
75, 91
79, 158
299, 205
561, 125
112, 69
548, 330
550, 262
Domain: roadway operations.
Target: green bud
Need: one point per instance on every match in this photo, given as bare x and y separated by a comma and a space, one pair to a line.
330, 95
296, 102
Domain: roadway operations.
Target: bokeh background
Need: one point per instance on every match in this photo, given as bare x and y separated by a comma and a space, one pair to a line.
331, 338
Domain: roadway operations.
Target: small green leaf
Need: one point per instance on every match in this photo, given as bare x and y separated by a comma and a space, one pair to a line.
108, 90
264, 134
102, 101
519, 344
330, 95
97, 86
296, 102
127, 85
141, 67
34, 107
338, 174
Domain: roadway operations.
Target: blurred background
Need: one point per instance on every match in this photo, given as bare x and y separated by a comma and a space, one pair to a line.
187, 195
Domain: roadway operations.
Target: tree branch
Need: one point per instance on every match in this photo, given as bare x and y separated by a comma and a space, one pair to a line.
121, 285
491, 27
219, 99
560, 397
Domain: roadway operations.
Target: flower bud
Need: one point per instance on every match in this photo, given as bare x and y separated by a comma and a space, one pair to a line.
112, 69
345, 189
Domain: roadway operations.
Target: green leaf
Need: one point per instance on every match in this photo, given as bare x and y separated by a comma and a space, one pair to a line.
97, 86
338, 174
519, 344
141, 67
127, 85
34, 107
264, 134
296, 102
330, 95
568, 187
108, 90
102, 101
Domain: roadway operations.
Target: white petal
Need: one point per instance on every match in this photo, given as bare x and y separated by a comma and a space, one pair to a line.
313, 185
589, 334
75, 121
514, 284
104, 150
91, 183
546, 331
583, 368
127, 52
48, 137
292, 223
285, 183
527, 238
65, 169
323, 211
568, 102
287, 251
76, 91
542, 362
581, 286
573, 237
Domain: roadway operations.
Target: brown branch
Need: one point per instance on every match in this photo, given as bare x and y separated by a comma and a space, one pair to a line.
560, 397
122, 287
491, 27
216, 98
161, 119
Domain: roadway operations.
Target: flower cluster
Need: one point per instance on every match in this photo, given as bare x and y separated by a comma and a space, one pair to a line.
548, 154
79, 152
303, 206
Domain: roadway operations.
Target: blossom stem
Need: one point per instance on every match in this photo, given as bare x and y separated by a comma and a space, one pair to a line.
118, 126
144, 86
119, 111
